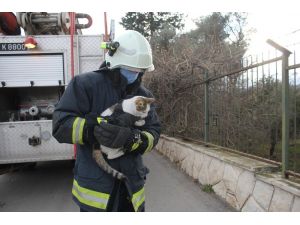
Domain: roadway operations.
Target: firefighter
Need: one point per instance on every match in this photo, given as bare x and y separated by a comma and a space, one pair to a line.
76, 117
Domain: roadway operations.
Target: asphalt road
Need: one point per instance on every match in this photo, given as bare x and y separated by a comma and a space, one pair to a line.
47, 188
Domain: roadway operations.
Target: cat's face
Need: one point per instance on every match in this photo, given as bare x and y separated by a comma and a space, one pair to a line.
138, 106
143, 104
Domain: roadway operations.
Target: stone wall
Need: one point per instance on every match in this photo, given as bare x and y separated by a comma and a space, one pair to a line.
246, 184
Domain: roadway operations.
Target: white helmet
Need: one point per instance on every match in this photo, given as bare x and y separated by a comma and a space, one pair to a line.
134, 53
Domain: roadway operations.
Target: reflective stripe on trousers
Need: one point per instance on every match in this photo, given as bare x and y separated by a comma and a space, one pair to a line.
89, 197
138, 199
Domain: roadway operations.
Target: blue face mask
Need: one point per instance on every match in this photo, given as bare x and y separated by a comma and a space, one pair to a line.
130, 76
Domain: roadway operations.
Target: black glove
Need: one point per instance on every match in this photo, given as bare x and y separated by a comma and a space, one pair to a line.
138, 143
134, 141
123, 119
88, 130
112, 136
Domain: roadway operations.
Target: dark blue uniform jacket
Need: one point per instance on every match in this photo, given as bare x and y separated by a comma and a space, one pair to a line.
93, 92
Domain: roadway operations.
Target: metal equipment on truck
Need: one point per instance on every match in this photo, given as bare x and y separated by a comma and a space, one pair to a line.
32, 81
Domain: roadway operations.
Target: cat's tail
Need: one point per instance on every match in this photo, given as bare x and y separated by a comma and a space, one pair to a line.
101, 162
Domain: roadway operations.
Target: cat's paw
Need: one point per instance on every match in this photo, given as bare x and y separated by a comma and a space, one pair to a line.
139, 123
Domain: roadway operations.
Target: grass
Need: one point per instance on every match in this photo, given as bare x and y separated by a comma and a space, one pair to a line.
207, 188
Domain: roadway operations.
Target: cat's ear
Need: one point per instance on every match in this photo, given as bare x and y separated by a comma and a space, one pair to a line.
149, 100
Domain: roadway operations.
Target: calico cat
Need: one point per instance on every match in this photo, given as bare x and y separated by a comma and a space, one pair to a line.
138, 106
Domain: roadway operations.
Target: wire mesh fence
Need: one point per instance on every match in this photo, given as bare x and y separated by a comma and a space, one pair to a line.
246, 108
245, 111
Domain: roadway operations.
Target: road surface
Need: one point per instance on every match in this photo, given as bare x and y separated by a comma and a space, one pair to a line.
47, 188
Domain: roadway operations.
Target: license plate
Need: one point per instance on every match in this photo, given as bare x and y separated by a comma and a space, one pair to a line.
12, 47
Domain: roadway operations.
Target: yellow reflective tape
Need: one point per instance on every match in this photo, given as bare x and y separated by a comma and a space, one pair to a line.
100, 119
150, 141
137, 194
139, 203
81, 132
103, 45
135, 146
74, 130
138, 199
90, 192
88, 202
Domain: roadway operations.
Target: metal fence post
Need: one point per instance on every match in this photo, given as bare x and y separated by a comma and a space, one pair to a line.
206, 108
285, 114
285, 105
